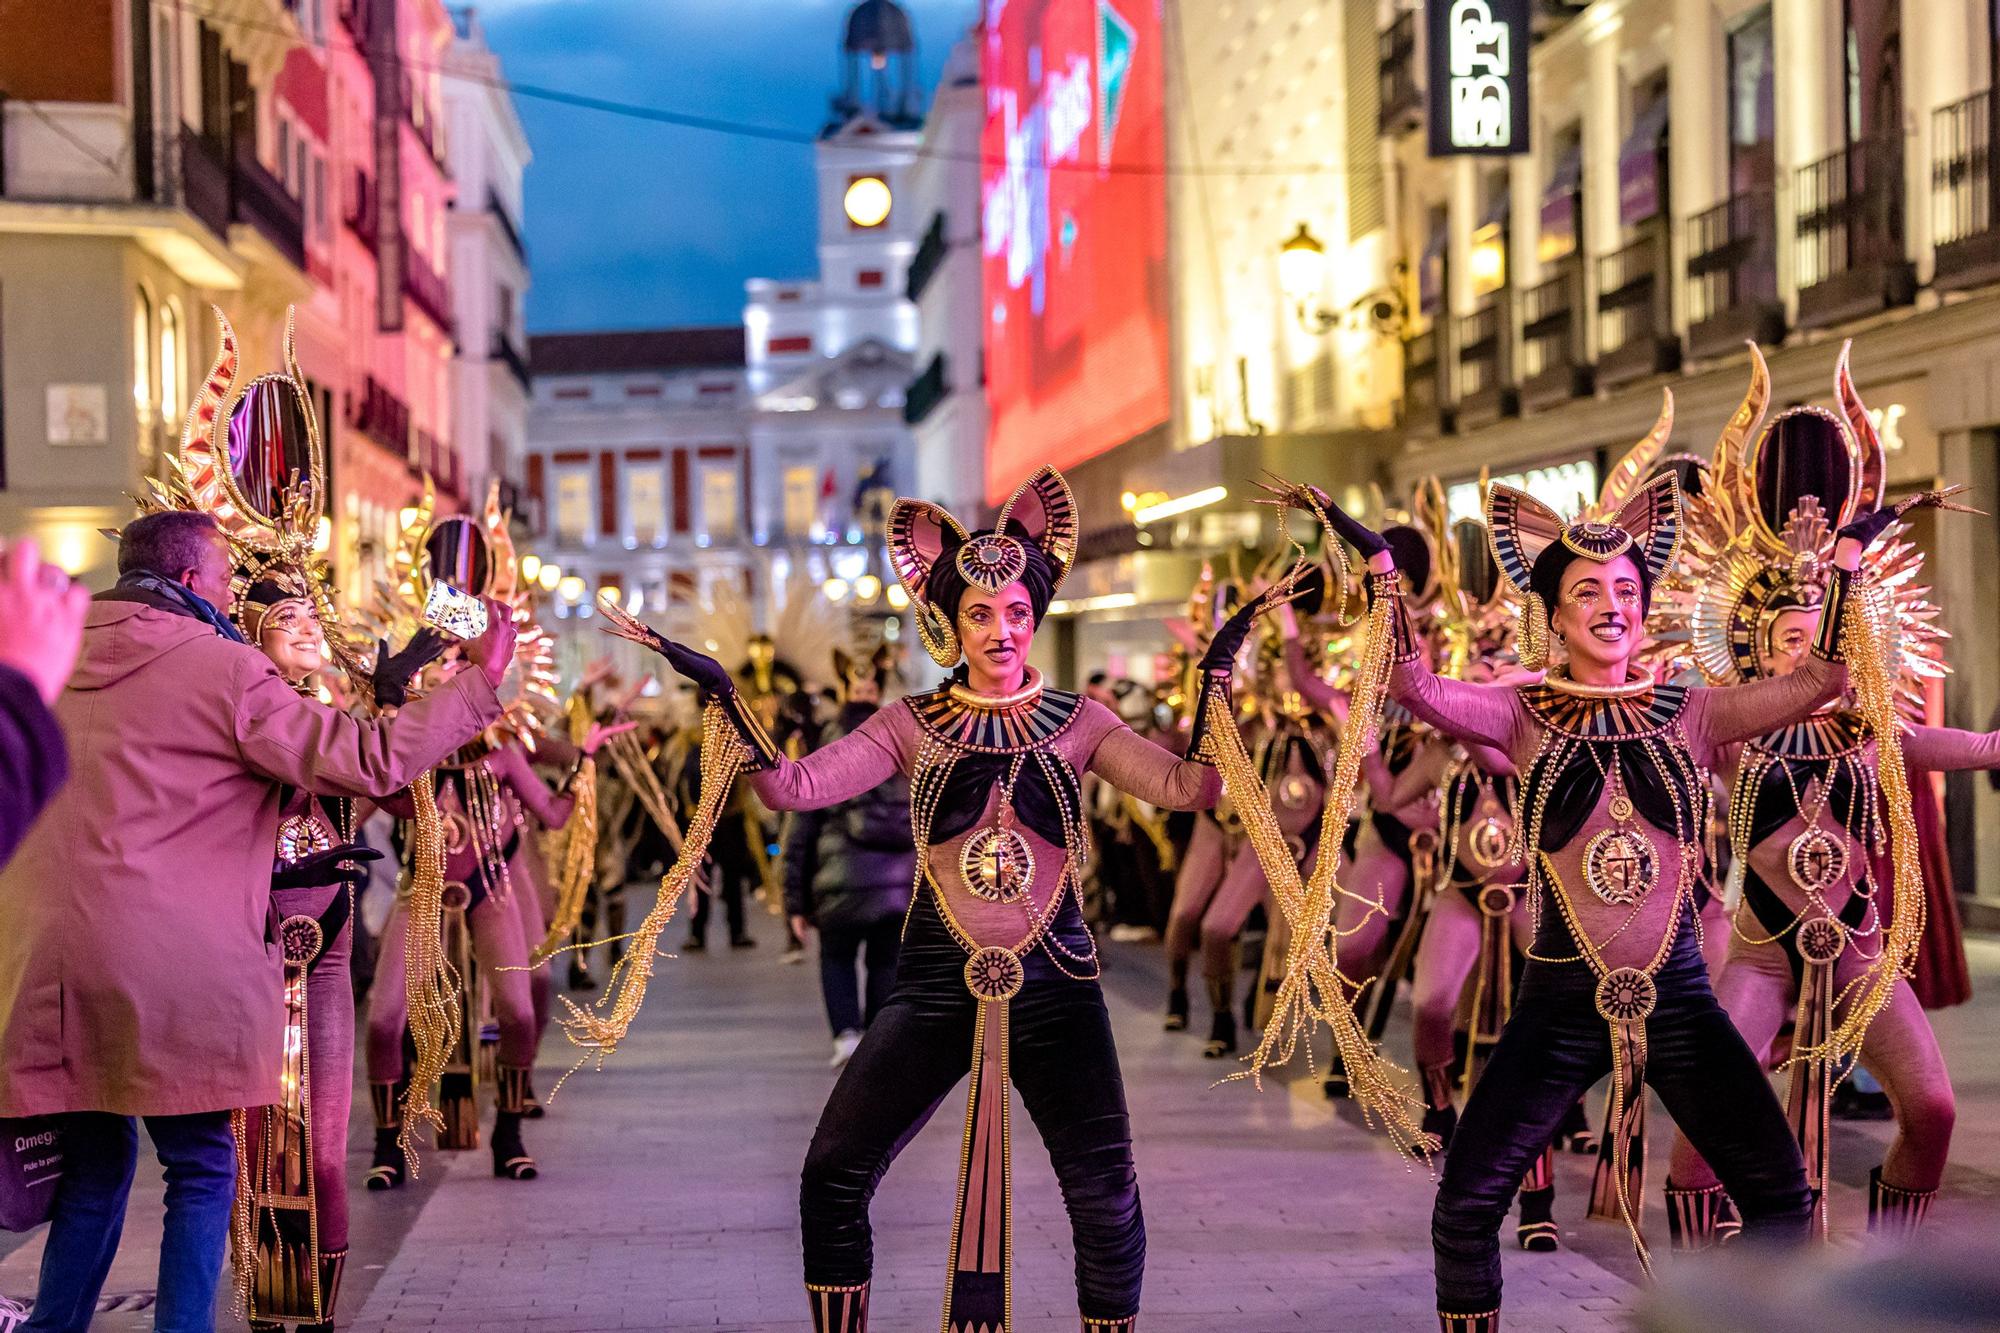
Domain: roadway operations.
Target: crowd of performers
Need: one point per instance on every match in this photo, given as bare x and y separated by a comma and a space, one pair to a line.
1632, 794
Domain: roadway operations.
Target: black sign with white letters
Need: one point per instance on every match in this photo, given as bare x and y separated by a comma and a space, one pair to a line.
1478, 76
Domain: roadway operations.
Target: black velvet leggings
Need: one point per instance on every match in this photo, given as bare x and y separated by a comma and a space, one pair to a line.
1552, 1050
918, 1049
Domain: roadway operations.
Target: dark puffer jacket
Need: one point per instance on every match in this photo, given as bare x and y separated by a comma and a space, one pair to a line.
851, 864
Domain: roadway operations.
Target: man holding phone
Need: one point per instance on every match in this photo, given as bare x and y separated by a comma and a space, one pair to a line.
137, 973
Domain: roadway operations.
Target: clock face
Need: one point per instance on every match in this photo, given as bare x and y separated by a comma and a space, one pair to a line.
867, 201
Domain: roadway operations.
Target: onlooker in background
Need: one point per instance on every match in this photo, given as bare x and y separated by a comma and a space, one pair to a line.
41, 624
848, 873
137, 973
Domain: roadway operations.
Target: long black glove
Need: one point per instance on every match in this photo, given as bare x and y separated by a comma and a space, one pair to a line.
346, 864
707, 674
393, 674
1356, 533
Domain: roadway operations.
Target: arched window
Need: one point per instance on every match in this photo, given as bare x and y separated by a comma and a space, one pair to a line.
172, 373
142, 356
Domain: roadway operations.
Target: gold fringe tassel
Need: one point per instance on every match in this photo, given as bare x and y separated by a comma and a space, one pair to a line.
601, 1027
431, 985
1866, 641
1625, 1127
1314, 990
577, 866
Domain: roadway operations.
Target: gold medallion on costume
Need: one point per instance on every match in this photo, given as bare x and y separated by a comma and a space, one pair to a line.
457, 832
1486, 843
1620, 865
997, 864
301, 938
300, 836
1626, 995
1821, 940
1816, 860
994, 973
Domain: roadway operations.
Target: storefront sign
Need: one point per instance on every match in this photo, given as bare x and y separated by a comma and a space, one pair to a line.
1478, 76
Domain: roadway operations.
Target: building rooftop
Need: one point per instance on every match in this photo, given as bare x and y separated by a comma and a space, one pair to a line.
613, 352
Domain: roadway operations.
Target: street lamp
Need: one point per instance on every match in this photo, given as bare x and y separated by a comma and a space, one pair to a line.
570, 589
549, 576
531, 566
1302, 275
867, 201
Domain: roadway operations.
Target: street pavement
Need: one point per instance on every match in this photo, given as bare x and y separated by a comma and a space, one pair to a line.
668, 1195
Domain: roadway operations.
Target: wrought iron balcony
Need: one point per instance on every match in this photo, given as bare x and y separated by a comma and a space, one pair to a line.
1554, 365
1851, 257
1964, 193
426, 287
508, 226
1400, 101
382, 416
1732, 276
205, 180
1635, 326
1423, 383
358, 208
260, 200
1485, 390
926, 391
507, 353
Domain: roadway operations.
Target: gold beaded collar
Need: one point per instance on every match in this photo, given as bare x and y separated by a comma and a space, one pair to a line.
1827, 735
1028, 719
1631, 714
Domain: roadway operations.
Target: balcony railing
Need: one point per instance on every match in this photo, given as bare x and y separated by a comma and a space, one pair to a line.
1964, 194
505, 352
427, 289
422, 119
205, 180
1423, 404
1554, 365
259, 199
508, 226
1401, 101
926, 391
928, 259
1484, 391
358, 209
1732, 275
380, 415
1635, 328
1851, 259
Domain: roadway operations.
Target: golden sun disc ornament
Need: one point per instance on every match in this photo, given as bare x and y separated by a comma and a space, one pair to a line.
300, 938
1821, 940
300, 836
994, 973
1486, 844
1626, 995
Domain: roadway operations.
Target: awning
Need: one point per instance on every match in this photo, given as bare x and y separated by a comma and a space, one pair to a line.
1639, 159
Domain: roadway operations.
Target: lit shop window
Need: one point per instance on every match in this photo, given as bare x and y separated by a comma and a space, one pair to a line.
572, 505
646, 500
801, 499
171, 371
720, 517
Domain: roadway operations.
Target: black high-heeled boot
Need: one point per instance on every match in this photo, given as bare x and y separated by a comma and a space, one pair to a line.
510, 1155
1221, 1036
1177, 1010
1537, 1231
388, 1168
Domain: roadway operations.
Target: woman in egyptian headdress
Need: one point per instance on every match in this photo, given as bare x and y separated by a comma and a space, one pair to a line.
1222, 881
1613, 800
1820, 813
996, 962
480, 920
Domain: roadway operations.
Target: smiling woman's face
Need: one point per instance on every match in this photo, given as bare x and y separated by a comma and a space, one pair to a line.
1600, 611
291, 638
996, 630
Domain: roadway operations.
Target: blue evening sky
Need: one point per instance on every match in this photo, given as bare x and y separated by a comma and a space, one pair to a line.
634, 224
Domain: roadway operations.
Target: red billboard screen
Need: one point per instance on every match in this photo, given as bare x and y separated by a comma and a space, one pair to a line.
1075, 231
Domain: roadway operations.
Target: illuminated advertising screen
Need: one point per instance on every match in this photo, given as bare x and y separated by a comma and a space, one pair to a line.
1075, 231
